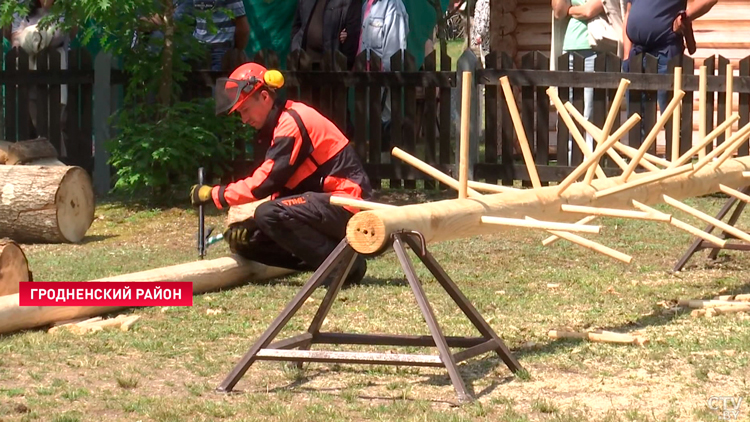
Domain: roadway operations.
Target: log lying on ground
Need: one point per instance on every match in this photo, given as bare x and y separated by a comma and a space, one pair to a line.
14, 268
45, 204
24, 152
705, 304
600, 337
4, 147
208, 275
720, 310
368, 231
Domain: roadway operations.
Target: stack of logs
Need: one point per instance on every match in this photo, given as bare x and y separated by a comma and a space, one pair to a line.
42, 200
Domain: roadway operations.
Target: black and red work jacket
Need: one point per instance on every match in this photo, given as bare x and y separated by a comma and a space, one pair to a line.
307, 153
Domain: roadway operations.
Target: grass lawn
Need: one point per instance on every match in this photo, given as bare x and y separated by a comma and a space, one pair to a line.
167, 366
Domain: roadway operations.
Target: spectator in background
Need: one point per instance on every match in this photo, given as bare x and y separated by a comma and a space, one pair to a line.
327, 26
26, 35
480, 29
232, 33
385, 27
578, 40
661, 28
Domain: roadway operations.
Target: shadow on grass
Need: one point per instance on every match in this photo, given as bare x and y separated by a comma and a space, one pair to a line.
96, 238
470, 373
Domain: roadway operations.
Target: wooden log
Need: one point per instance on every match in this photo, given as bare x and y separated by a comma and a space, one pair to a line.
22, 152
14, 268
45, 162
463, 165
741, 137
45, 204
687, 156
702, 109
365, 205
574, 132
729, 96
684, 226
206, 276
707, 218
596, 133
614, 212
590, 244
676, 116
614, 111
489, 187
649, 164
735, 193
554, 238
703, 304
4, 147
528, 158
459, 218
430, 171
718, 150
541, 225
600, 337
243, 212
720, 310
651, 137
646, 179
598, 153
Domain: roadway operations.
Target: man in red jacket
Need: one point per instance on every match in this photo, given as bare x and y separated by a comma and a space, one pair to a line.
308, 160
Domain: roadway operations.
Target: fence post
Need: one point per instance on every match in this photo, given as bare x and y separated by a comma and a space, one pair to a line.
468, 62
102, 99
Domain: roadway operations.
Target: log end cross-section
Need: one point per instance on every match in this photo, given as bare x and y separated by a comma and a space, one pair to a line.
45, 204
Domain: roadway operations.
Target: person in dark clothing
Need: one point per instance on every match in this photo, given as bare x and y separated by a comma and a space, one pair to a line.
327, 25
308, 160
661, 28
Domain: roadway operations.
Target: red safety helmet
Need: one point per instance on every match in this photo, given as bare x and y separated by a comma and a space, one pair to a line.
231, 92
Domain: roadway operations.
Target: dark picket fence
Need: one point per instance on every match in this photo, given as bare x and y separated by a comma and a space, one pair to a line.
424, 116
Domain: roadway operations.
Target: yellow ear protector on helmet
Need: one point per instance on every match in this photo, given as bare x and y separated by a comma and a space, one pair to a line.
274, 79
271, 78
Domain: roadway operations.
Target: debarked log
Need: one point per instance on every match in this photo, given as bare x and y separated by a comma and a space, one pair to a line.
208, 275
14, 267
369, 232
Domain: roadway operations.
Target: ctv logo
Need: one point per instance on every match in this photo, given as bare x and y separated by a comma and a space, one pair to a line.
729, 407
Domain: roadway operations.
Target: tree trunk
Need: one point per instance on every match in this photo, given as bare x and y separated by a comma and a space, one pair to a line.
13, 267
4, 147
45, 204
369, 231
165, 88
23, 152
209, 275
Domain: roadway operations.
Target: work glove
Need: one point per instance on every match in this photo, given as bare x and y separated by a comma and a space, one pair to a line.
238, 237
200, 195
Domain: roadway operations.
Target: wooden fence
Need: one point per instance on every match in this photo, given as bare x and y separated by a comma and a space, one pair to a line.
424, 108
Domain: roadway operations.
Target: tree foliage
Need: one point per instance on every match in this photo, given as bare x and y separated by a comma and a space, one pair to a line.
158, 139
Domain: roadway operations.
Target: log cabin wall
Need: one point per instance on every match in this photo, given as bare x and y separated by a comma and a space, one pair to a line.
520, 26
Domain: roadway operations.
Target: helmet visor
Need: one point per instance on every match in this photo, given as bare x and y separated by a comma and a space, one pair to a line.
228, 91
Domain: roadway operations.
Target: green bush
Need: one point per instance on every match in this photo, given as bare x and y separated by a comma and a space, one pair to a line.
155, 156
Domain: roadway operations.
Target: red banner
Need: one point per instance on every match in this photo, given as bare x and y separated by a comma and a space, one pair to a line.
93, 293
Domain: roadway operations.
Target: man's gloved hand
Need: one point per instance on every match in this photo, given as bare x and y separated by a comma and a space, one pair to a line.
200, 195
237, 237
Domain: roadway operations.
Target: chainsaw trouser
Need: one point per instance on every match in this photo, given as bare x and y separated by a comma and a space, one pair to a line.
295, 232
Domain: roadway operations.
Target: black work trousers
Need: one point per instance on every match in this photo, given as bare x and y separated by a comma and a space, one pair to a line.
295, 232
